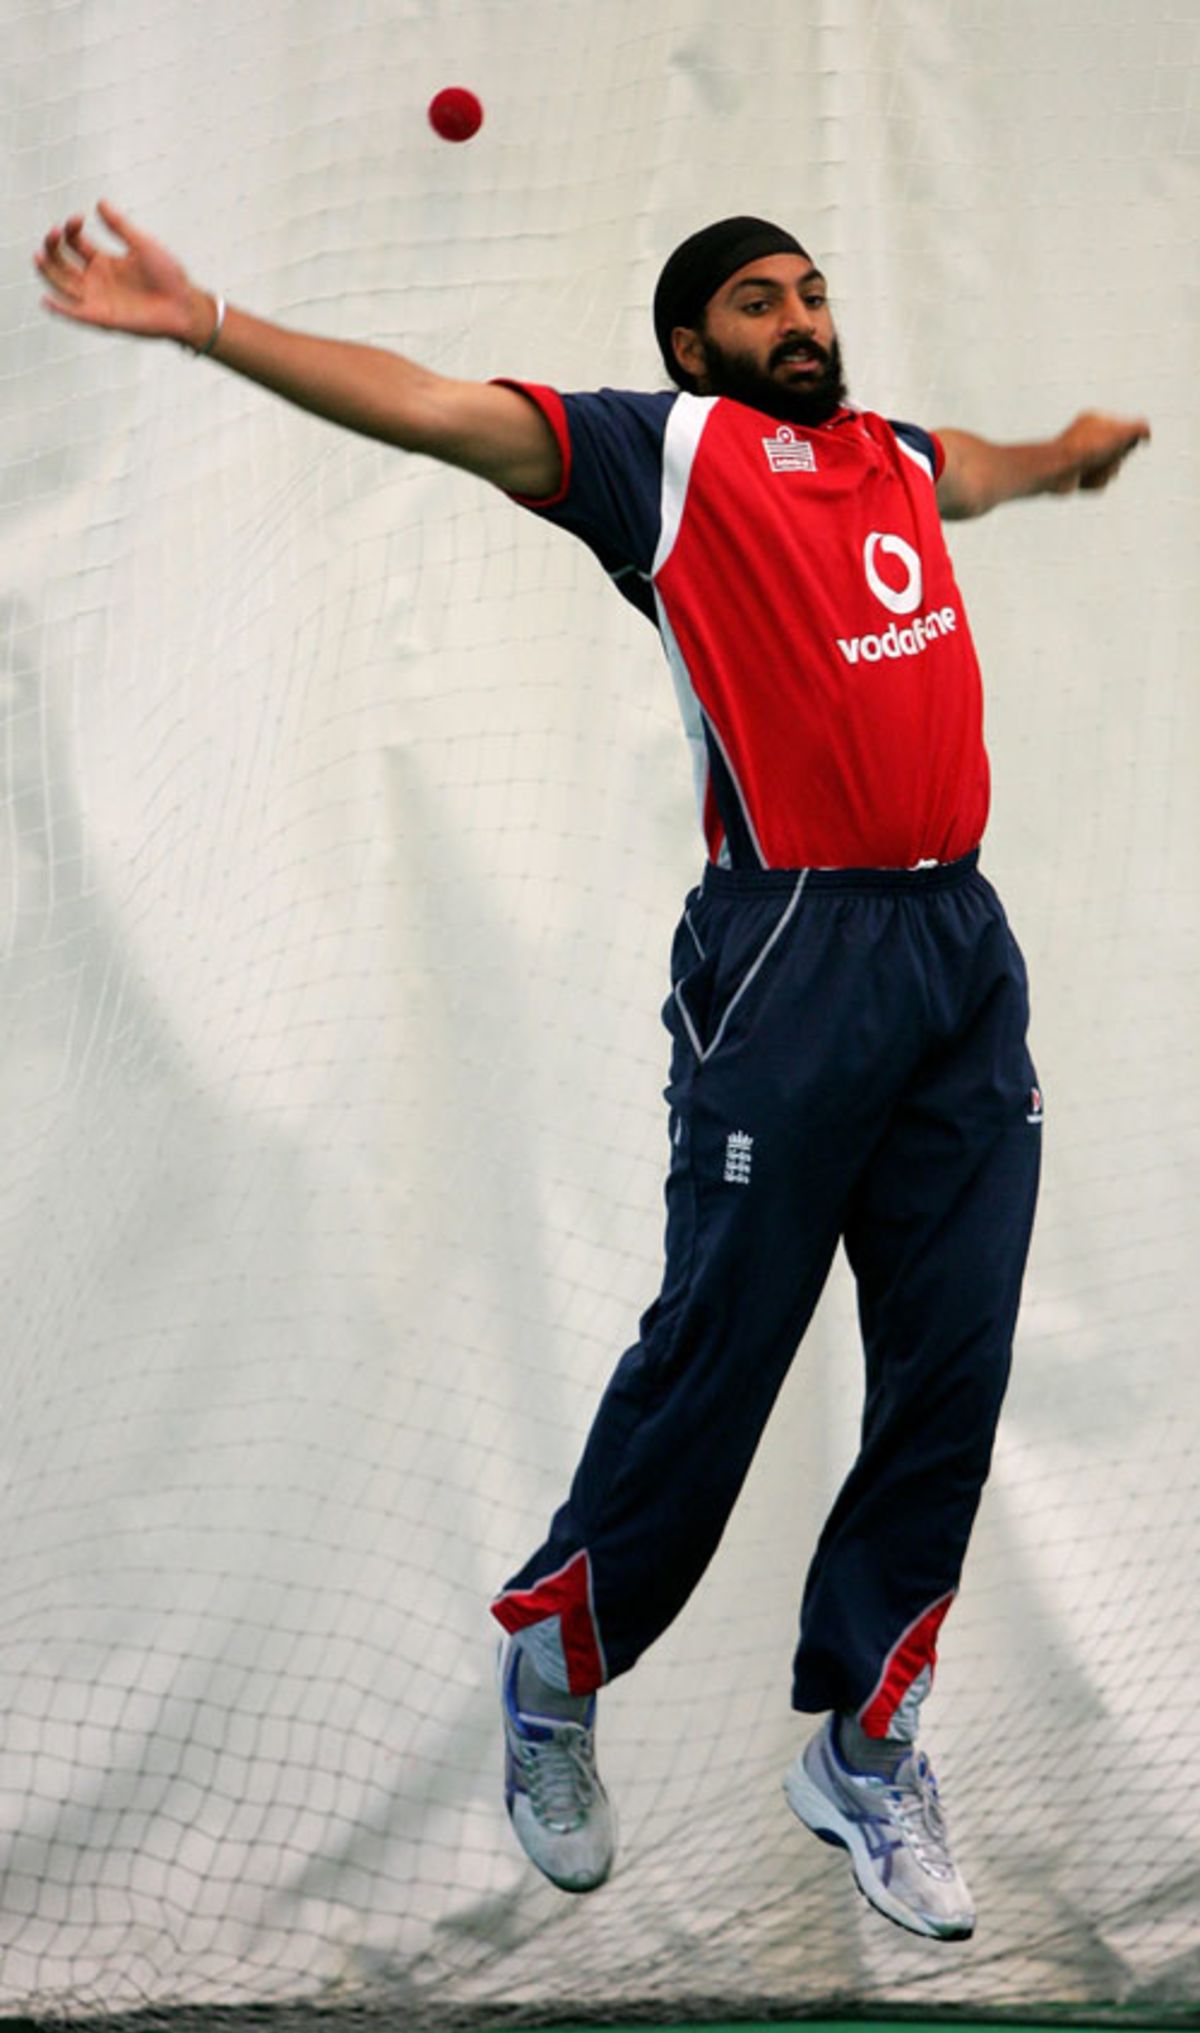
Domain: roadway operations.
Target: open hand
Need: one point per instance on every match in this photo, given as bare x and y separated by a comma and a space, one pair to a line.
143, 290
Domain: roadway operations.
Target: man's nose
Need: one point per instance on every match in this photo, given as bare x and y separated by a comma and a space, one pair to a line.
798, 317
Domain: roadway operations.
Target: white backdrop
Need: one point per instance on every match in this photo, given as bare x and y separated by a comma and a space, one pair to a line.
346, 821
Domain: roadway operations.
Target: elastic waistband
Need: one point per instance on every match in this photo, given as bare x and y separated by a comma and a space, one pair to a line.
880, 881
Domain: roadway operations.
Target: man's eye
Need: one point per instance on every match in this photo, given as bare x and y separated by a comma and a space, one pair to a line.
817, 302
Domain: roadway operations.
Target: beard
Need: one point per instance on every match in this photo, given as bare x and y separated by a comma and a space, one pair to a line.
739, 376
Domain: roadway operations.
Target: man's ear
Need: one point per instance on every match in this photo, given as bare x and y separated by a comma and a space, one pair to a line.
689, 350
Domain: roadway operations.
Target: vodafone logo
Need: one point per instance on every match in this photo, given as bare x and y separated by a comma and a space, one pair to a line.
897, 599
922, 631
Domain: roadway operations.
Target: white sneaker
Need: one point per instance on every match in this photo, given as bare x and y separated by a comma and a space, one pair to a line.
558, 1808
894, 1831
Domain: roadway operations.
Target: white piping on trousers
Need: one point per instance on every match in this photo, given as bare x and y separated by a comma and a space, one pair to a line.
777, 932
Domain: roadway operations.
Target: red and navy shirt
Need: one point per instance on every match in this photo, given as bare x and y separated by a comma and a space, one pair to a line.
808, 608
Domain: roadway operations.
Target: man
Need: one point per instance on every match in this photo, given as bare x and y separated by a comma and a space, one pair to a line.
848, 1006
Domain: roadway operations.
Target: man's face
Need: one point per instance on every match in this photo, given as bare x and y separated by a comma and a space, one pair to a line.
767, 338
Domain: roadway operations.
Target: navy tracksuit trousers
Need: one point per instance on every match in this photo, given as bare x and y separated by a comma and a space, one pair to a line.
849, 1064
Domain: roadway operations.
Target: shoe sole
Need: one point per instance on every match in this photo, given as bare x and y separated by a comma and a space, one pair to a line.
822, 1819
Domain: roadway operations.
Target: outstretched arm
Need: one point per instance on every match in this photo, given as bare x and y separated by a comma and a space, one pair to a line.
979, 475
494, 432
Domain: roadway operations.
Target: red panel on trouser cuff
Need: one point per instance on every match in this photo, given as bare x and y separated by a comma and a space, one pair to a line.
916, 1650
714, 831
566, 1594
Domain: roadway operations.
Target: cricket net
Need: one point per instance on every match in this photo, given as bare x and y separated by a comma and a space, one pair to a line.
346, 819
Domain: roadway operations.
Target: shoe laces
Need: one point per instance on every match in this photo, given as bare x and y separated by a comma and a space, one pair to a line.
560, 1777
917, 1813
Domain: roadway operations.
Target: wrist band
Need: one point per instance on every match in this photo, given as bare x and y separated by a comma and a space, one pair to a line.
209, 345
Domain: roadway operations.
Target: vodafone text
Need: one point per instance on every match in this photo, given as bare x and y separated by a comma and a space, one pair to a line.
896, 642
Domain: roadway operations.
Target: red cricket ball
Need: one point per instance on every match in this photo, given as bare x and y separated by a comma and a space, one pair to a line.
455, 113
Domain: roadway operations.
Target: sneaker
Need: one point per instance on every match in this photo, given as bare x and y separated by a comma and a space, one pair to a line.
558, 1808
894, 1831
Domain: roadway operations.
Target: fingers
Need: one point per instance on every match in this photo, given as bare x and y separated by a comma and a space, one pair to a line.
117, 222
75, 236
1096, 475
63, 260
1130, 435
1127, 440
63, 275
65, 253
1122, 435
67, 249
1099, 446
